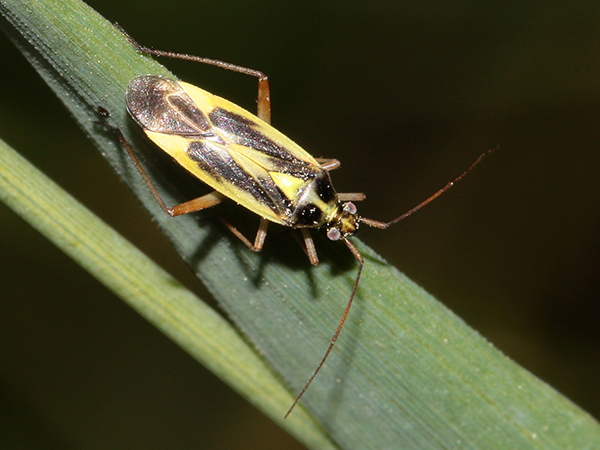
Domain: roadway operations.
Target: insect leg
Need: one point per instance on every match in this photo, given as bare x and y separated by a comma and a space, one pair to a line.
361, 263
261, 235
351, 197
328, 164
264, 96
309, 246
197, 204
259, 240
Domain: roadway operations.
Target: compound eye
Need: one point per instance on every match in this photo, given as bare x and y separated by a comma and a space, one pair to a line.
350, 208
334, 234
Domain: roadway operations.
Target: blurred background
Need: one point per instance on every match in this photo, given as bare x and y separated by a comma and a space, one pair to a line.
406, 95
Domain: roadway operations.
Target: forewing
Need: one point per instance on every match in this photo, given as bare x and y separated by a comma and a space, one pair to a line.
161, 105
222, 144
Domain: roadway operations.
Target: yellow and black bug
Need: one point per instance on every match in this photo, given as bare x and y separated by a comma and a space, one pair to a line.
245, 159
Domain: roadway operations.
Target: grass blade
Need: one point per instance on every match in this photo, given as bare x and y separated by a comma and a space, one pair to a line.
148, 289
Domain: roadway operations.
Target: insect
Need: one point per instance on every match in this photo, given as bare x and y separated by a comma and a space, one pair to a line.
244, 159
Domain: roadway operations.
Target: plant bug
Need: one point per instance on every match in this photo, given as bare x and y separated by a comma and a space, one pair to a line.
244, 159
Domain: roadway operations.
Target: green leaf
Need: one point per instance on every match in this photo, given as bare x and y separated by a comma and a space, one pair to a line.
148, 289
405, 373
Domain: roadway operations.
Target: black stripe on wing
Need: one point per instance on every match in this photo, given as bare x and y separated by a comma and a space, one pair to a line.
216, 160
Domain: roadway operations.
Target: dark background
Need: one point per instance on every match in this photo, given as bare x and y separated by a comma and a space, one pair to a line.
406, 95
